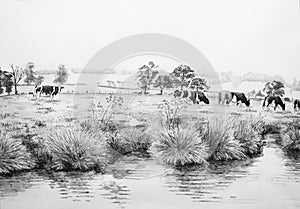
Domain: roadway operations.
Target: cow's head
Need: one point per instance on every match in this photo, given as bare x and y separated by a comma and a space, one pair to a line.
247, 102
205, 99
283, 106
61, 87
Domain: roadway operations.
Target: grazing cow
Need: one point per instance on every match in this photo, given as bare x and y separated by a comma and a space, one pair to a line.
48, 90
296, 105
276, 99
241, 98
225, 97
192, 95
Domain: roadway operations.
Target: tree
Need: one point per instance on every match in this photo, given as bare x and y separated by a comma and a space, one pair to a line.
162, 82
17, 75
198, 84
146, 76
5, 81
39, 80
185, 74
274, 88
61, 75
30, 74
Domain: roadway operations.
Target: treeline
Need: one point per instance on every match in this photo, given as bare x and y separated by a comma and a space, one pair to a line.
182, 76
11, 78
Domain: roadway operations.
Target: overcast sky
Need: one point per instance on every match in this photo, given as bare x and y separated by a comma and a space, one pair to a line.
237, 35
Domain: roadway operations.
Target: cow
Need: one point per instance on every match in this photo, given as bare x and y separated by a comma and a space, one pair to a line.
225, 97
278, 101
241, 98
47, 90
195, 96
296, 105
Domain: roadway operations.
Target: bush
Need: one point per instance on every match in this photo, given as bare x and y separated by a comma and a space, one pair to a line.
180, 147
171, 113
247, 133
13, 155
130, 140
270, 129
219, 135
77, 150
293, 145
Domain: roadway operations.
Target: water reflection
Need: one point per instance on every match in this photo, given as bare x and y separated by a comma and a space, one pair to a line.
133, 180
202, 184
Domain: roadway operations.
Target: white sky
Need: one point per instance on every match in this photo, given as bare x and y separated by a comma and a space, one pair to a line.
238, 35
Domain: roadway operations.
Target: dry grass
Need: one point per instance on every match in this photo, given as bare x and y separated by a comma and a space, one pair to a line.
130, 140
180, 147
13, 155
77, 150
219, 135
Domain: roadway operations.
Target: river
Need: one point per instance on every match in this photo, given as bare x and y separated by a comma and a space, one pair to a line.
269, 181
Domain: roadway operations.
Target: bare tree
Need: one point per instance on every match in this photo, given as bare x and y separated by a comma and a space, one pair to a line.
17, 74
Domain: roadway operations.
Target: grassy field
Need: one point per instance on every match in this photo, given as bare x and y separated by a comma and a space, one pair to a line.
62, 134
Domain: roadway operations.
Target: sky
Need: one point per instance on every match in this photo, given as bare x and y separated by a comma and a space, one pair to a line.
260, 36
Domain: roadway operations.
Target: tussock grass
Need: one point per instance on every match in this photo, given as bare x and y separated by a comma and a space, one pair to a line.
247, 133
77, 150
13, 155
219, 135
180, 147
293, 144
130, 140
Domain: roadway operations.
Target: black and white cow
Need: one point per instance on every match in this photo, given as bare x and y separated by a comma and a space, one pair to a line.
296, 105
270, 99
192, 95
241, 98
47, 90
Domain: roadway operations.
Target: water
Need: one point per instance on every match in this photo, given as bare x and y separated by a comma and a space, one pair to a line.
270, 181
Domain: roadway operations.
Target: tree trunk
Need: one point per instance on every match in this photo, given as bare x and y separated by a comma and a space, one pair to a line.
161, 91
16, 90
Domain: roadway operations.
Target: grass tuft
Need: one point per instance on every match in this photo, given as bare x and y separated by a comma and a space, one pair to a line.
219, 135
180, 147
77, 150
13, 155
130, 140
293, 145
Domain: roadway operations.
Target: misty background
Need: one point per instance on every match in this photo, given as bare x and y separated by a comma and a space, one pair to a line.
241, 39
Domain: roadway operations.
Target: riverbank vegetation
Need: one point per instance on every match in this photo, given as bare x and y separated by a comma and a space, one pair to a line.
175, 137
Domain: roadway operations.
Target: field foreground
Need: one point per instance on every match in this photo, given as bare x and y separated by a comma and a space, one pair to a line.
122, 184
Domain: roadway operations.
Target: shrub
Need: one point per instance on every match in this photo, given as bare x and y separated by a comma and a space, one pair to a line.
247, 133
180, 147
101, 115
270, 129
130, 140
219, 135
171, 113
77, 150
293, 145
13, 155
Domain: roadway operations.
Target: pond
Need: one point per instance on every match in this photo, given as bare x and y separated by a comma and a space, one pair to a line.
269, 181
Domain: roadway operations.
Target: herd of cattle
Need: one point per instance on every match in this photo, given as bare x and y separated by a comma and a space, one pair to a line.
224, 97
